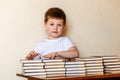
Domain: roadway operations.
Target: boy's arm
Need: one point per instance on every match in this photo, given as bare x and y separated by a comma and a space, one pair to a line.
71, 53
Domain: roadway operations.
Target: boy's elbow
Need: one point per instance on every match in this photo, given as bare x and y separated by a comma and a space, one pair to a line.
76, 54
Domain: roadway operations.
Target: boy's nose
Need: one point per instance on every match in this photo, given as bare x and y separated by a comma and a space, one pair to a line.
55, 27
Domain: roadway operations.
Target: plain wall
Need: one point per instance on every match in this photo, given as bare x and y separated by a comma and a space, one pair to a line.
93, 25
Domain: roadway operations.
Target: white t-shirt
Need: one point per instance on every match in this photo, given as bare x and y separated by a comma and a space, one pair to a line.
56, 45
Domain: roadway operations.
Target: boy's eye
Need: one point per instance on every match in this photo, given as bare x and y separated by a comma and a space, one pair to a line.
51, 24
60, 25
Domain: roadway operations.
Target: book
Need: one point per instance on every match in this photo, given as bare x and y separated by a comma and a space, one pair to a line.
94, 70
112, 66
77, 72
112, 72
30, 61
74, 75
33, 64
55, 72
34, 70
112, 69
55, 78
75, 63
95, 73
55, 69
93, 64
55, 75
53, 66
111, 60
76, 68
68, 66
53, 60
112, 63
110, 57
88, 59
43, 77
55, 63
33, 67
94, 67
35, 74
96, 62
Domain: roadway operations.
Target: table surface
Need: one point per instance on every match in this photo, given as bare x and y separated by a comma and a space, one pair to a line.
73, 78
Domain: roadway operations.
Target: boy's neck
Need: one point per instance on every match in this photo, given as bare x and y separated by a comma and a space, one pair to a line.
53, 38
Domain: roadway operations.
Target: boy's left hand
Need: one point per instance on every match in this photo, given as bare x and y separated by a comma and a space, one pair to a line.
50, 55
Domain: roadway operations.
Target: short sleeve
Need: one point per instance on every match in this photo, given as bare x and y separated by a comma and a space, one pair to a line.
68, 43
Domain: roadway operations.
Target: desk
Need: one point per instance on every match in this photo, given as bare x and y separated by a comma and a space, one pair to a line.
98, 77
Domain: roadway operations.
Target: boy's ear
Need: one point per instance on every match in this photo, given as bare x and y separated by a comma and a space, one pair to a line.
64, 26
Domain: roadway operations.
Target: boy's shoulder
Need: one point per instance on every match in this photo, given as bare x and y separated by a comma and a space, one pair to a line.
65, 37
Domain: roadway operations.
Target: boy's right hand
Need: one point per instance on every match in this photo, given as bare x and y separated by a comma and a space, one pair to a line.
31, 55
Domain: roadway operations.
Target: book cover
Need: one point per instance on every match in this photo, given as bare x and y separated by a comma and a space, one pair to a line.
88, 58
100, 64
35, 74
30, 61
55, 75
55, 72
68, 66
94, 73
112, 63
54, 63
33, 67
96, 62
54, 66
34, 70
55, 69
53, 60
94, 70
76, 72
74, 75
110, 57
112, 72
75, 63
112, 66
111, 60
33, 64
95, 67
76, 68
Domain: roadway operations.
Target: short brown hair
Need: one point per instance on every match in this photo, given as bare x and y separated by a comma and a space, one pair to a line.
55, 13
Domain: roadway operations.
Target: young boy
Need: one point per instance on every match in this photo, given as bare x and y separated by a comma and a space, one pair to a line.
55, 45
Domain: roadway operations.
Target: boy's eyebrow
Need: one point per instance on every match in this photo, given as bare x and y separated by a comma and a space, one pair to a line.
59, 22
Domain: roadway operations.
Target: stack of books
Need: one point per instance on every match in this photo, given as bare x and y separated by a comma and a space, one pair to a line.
60, 68
93, 65
33, 68
76, 68
111, 64
54, 68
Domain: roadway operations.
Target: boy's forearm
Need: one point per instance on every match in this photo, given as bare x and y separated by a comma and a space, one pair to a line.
68, 54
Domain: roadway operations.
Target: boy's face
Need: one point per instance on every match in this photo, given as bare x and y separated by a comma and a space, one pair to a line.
54, 27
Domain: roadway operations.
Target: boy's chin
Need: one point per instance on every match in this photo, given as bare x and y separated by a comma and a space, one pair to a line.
56, 36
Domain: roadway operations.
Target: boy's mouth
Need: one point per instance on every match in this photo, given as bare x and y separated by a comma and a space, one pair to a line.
54, 32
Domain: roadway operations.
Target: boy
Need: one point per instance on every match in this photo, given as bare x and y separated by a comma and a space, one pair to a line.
55, 45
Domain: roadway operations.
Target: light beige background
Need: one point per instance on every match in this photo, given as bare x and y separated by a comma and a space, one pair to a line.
93, 25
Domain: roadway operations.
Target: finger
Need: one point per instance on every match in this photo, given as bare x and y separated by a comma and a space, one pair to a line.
28, 56
52, 57
31, 55
46, 56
